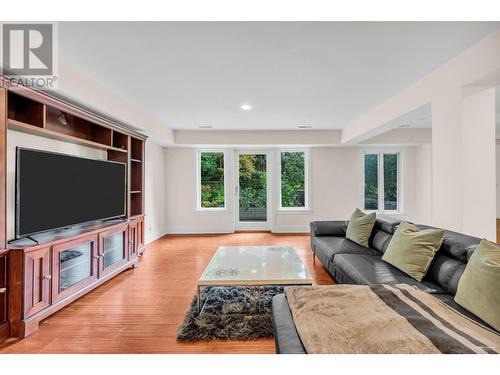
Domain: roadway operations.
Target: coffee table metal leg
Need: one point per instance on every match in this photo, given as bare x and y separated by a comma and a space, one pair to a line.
244, 298
198, 298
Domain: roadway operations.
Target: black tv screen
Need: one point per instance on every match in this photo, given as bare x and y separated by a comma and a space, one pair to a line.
55, 191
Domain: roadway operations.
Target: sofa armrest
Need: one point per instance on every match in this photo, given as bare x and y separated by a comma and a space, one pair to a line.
328, 228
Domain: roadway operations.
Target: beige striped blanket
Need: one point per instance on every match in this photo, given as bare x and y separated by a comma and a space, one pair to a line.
383, 319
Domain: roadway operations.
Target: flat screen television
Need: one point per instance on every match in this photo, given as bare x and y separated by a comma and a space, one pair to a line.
55, 191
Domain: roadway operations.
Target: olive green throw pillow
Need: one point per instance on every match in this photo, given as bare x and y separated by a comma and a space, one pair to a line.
412, 250
360, 227
479, 287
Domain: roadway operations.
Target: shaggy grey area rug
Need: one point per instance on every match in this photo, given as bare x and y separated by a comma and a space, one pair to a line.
224, 316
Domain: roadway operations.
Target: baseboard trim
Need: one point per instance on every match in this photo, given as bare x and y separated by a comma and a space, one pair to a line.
198, 230
299, 229
226, 230
156, 235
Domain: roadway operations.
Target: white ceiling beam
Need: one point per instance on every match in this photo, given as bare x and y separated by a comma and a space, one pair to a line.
477, 65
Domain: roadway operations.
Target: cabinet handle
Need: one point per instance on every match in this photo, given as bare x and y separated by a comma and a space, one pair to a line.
3, 290
48, 277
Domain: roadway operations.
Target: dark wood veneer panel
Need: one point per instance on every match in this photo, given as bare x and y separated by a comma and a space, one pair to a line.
26, 110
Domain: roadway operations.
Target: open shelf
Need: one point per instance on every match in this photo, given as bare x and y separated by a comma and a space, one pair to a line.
31, 129
53, 118
136, 152
120, 140
67, 124
136, 204
25, 110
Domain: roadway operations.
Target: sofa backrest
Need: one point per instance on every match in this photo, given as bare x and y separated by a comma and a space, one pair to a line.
382, 233
449, 262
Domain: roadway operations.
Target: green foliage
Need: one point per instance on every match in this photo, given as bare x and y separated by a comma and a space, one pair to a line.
212, 179
371, 182
253, 180
390, 182
390, 165
292, 179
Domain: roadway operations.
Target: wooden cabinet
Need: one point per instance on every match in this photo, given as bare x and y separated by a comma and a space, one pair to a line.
37, 280
136, 238
4, 324
113, 249
140, 236
45, 278
75, 265
133, 236
3, 289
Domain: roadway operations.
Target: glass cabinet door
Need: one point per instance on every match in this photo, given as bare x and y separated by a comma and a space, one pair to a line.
113, 249
75, 265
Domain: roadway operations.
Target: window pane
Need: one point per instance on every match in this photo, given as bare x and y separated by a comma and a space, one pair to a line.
371, 182
293, 179
391, 182
253, 187
212, 179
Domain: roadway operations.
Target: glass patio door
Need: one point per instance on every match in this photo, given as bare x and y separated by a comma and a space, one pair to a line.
252, 190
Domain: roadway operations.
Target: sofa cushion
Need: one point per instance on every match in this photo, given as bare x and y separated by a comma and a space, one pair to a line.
326, 248
449, 300
412, 249
360, 226
369, 269
479, 287
286, 338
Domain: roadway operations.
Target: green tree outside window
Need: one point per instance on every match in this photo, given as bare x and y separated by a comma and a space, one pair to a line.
212, 179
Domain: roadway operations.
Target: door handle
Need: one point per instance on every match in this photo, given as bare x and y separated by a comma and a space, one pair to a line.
47, 277
96, 256
3, 290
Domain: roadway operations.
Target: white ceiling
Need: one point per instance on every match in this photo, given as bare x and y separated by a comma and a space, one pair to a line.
322, 74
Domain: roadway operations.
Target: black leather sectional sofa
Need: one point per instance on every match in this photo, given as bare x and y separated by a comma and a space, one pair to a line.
350, 263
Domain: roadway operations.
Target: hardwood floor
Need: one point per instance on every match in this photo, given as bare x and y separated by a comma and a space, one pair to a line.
139, 310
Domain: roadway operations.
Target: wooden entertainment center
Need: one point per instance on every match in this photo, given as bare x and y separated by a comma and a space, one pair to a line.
35, 279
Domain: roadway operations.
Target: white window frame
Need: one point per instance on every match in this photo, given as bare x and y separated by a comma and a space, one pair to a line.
307, 182
198, 181
380, 165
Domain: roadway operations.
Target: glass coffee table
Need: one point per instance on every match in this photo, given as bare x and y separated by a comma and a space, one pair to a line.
253, 268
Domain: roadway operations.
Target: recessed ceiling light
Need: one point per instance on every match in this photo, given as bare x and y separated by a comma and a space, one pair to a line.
404, 125
205, 126
304, 126
246, 107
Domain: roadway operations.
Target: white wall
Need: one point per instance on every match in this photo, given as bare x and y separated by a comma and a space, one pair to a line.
156, 196
423, 184
498, 179
478, 162
336, 183
182, 216
14, 139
